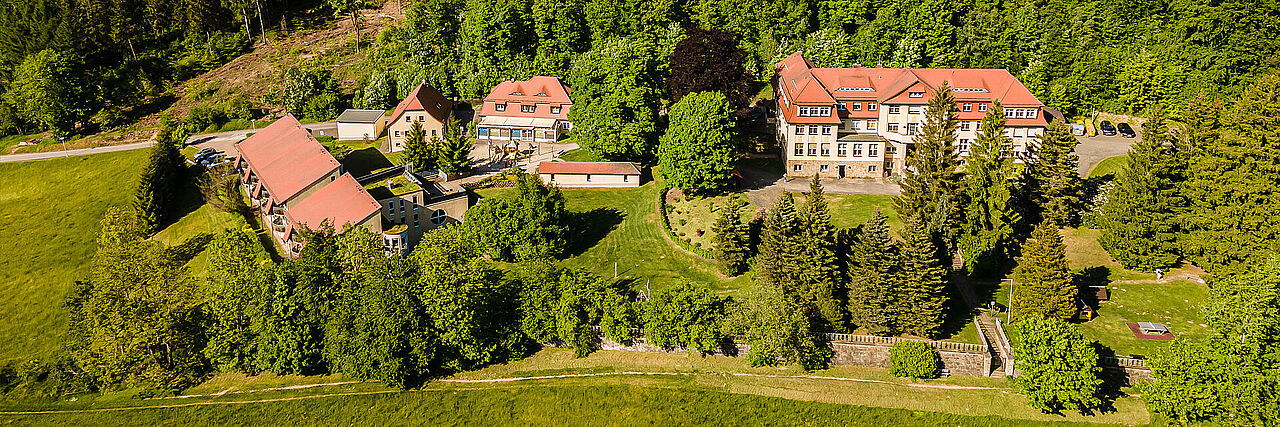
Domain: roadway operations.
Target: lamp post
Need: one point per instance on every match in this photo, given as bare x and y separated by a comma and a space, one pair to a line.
63, 139
1009, 316
254, 122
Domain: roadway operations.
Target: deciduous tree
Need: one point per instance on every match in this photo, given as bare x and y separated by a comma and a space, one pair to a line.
696, 153
685, 315
1059, 366
709, 60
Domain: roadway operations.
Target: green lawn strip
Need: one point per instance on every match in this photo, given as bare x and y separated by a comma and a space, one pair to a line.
1176, 304
655, 401
13, 140
852, 210
1109, 166
49, 219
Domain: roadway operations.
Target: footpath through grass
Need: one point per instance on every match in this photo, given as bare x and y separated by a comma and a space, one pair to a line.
49, 220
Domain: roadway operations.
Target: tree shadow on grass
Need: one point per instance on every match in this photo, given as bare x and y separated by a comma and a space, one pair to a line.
362, 162
187, 196
586, 229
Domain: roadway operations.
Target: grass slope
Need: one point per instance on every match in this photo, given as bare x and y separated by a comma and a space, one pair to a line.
1109, 166
645, 388
49, 215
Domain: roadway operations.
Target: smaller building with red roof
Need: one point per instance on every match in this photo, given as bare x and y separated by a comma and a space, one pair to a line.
424, 105
589, 174
529, 111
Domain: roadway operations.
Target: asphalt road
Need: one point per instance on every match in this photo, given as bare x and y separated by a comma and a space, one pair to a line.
222, 141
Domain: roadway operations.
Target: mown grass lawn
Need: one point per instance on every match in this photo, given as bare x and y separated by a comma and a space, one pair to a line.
50, 212
709, 390
1109, 166
49, 220
621, 225
852, 210
1175, 304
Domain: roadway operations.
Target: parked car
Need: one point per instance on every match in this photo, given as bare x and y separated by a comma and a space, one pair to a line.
1125, 130
211, 160
204, 153
1107, 128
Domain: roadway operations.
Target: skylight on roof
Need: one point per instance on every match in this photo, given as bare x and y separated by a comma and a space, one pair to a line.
854, 89
970, 89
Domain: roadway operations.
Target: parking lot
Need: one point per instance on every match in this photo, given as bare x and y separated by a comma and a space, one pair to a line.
1093, 149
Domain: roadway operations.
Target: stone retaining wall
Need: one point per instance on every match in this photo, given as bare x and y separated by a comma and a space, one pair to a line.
845, 353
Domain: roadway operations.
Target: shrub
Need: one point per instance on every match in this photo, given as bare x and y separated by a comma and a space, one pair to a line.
914, 359
683, 221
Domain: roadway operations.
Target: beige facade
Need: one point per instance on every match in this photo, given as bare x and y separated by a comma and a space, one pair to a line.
587, 180
399, 127
877, 147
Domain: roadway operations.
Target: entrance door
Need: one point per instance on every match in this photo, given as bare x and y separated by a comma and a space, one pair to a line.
840, 171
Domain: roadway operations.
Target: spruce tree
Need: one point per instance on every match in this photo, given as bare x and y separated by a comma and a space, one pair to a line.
922, 296
732, 240
874, 277
1042, 285
1233, 177
417, 151
1054, 176
931, 184
154, 193
778, 258
987, 231
818, 269
1139, 221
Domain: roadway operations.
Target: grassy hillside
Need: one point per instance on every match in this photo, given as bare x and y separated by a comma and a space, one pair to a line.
49, 213
49, 220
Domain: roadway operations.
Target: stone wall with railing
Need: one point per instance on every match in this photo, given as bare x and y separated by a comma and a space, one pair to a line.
848, 349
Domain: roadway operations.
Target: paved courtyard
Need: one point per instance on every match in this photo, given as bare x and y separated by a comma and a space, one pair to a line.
1093, 149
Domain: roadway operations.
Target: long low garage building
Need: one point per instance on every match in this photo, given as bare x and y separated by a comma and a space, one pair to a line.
589, 174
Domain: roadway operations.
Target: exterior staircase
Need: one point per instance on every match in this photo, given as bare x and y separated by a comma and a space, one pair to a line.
996, 341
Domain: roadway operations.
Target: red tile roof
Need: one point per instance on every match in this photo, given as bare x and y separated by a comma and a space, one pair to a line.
543, 92
343, 201
426, 98
594, 168
800, 83
286, 158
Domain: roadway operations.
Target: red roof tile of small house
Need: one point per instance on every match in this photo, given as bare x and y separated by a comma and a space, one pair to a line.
592, 168
343, 201
286, 158
427, 98
543, 92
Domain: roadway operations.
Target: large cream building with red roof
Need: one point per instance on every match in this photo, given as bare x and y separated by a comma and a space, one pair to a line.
860, 122
293, 183
529, 111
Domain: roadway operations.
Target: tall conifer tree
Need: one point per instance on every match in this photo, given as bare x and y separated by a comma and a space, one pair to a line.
1139, 221
931, 184
417, 150
818, 273
922, 297
732, 240
1054, 176
989, 215
1042, 285
874, 277
779, 252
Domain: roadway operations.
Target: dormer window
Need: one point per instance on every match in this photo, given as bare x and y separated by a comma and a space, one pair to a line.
540, 94
915, 94
500, 107
555, 110
527, 108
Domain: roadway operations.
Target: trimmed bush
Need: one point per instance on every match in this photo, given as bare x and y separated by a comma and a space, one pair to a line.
914, 359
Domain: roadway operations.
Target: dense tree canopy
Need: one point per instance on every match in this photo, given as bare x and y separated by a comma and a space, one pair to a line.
1059, 367
696, 152
710, 60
